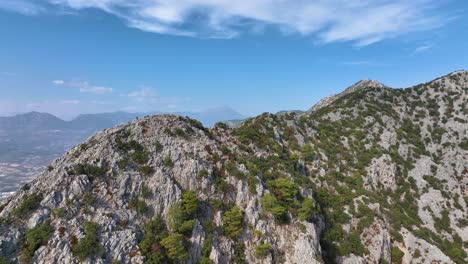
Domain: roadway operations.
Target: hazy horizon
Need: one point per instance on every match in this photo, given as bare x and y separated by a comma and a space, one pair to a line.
208, 110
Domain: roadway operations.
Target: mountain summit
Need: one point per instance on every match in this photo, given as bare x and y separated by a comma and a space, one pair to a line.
376, 175
353, 88
363, 84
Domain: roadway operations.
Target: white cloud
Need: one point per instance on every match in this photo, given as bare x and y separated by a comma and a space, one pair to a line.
83, 87
422, 48
96, 89
58, 82
361, 21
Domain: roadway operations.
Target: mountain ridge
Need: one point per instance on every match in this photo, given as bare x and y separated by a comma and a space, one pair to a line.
99, 121
376, 176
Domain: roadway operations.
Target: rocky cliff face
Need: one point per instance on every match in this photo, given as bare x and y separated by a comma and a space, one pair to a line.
376, 175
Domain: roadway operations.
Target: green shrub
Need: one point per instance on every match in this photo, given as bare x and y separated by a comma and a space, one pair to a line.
202, 174
182, 214
239, 253
434, 182
252, 182
123, 164
221, 125
120, 139
190, 203
417, 253
284, 190
262, 250
168, 162
219, 180
205, 260
89, 199
224, 149
365, 215
158, 146
397, 255
89, 245
232, 169
138, 205
4, 260
145, 191
443, 223
146, 170
232, 222
307, 209
180, 133
307, 153
270, 203
140, 156
206, 250
92, 171
176, 247
29, 204
5, 220
155, 231
354, 244
35, 238
59, 212
134, 145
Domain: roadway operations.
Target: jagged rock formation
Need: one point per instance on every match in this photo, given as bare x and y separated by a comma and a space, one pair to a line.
375, 175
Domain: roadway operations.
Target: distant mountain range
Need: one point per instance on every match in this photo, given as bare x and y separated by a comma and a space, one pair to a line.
43, 121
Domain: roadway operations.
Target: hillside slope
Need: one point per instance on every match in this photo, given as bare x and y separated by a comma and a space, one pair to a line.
377, 175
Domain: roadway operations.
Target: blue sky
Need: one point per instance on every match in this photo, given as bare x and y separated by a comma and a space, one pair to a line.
69, 57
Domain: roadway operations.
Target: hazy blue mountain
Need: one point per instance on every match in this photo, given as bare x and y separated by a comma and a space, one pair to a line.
210, 116
45, 121
31, 121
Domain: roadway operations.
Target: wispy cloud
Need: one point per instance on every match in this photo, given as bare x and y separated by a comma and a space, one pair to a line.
58, 82
144, 94
101, 102
4, 73
422, 48
362, 22
148, 98
356, 63
25, 7
95, 89
83, 86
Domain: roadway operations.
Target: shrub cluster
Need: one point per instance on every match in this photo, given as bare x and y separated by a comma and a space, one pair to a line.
34, 239
89, 245
232, 222
29, 204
